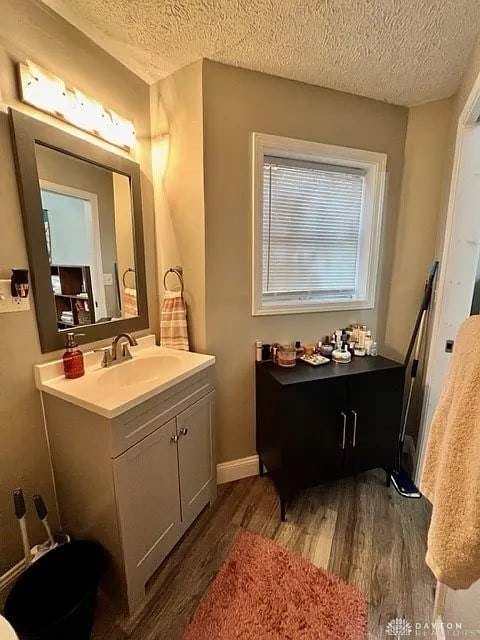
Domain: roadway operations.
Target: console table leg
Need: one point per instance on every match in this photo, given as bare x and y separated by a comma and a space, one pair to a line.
260, 467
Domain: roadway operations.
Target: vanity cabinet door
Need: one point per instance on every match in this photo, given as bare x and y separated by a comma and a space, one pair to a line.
146, 487
195, 457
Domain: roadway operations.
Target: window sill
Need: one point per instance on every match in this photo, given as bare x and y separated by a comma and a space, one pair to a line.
314, 307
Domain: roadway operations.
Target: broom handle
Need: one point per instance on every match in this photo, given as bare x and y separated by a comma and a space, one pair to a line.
413, 375
427, 296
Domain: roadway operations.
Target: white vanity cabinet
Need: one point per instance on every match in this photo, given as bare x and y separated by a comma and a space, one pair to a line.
194, 455
137, 481
162, 484
148, 502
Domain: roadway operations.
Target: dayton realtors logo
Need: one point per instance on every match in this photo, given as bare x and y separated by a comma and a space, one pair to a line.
399, 627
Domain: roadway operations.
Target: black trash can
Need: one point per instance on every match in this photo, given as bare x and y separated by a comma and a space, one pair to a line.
54, 599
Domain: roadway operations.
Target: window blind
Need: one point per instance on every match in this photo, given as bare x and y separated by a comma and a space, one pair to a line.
312, 216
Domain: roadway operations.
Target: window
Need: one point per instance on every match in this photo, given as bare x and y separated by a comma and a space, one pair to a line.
317, 217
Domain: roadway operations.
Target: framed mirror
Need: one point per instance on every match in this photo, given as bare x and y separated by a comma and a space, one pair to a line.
82, 216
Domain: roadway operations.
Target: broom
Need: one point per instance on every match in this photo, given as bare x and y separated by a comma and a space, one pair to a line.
400, 478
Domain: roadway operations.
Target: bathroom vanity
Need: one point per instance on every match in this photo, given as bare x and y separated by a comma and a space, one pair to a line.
132, 449
132, 443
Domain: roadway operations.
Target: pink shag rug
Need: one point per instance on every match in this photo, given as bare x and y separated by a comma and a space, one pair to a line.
265, 592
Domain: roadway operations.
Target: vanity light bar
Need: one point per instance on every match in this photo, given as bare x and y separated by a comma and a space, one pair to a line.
43, 90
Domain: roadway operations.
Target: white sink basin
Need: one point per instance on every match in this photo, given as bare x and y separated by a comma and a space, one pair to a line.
140, 370
113, 390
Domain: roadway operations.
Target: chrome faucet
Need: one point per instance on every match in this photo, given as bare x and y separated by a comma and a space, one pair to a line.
125, 354
111, 356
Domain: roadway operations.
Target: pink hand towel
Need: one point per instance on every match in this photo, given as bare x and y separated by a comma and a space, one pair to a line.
173, 322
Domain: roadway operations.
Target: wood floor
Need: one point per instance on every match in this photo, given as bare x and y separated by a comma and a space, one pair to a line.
355, 528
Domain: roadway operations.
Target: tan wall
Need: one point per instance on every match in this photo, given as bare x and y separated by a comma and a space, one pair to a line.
236, 103
28, 30
426, 149
424, 172
178, 165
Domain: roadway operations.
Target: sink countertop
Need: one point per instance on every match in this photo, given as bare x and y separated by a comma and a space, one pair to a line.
113, 390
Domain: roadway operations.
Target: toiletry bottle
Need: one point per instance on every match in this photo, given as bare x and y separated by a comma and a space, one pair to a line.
73, 358
258, 350
374, 349
355, 330
361, 336
299, 349
266, 352
342, 356
368, 343
338, 338
326, 348
275, 347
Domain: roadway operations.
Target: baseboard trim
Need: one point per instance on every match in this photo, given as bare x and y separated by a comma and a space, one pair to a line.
237, 469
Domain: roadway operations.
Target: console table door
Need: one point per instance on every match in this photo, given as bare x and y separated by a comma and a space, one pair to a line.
317, 421
375, 405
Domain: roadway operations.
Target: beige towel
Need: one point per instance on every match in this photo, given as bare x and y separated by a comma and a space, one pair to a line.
451, 474
173, 321
130, 308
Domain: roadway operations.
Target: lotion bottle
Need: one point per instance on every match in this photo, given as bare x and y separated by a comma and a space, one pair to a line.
73, 365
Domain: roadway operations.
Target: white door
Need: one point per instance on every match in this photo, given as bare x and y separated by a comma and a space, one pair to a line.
195, 457
457, 277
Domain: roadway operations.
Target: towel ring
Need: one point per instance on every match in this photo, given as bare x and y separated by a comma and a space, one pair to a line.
129, 270
178, 273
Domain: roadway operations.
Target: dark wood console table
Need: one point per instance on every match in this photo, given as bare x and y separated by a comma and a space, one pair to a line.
315, 424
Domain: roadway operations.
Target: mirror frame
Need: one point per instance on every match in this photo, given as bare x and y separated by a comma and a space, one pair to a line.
27, 132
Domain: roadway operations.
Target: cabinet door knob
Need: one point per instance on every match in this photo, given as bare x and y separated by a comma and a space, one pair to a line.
174, 438
354, 441
183, 431
344, 429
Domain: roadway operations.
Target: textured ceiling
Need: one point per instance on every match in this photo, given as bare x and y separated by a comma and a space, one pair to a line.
402, 51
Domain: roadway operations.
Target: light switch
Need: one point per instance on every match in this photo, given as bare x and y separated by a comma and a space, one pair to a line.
8, 304
107, 278
449, 346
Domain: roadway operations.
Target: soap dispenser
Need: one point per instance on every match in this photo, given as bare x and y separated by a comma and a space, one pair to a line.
73, 365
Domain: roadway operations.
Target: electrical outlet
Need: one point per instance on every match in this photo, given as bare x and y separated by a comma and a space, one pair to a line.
9, 304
